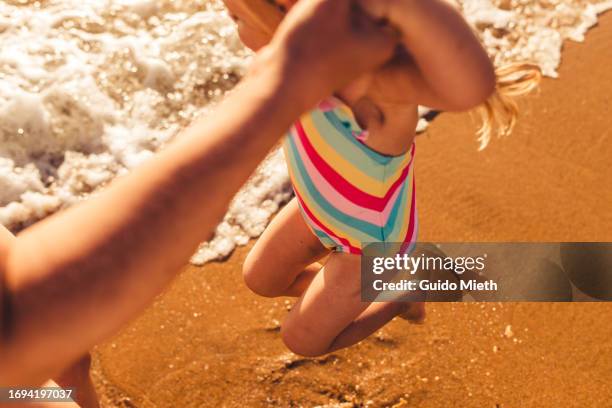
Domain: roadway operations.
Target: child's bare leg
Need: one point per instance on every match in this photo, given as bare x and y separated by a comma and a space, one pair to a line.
77, 376
373, 318
330, 314
282, 262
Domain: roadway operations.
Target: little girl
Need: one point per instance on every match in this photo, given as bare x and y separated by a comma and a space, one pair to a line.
351, 162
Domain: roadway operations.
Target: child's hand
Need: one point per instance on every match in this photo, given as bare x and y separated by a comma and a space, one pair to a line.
325, 44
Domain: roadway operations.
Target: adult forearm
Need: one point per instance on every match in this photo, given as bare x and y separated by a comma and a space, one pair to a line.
111, 255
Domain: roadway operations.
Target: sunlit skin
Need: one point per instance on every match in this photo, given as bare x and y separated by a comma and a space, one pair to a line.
385, 102
59, 296
329, 314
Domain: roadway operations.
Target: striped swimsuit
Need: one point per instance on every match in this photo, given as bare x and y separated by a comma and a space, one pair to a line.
349, 194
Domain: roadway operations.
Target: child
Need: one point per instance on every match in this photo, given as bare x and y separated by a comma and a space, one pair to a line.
351, 164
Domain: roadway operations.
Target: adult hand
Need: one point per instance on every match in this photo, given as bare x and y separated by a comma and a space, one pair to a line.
325, 44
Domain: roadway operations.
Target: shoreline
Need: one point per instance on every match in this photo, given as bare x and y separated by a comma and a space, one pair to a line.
209, 342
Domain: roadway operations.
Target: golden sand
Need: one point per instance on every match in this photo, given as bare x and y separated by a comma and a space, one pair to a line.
208, 342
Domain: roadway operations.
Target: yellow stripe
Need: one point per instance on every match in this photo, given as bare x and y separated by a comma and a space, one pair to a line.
348, 112
347, 170
329, 223
343, 230
322, 217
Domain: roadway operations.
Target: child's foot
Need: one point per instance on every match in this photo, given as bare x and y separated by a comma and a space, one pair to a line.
414, 312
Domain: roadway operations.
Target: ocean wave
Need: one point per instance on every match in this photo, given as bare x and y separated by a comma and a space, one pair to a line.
88, 90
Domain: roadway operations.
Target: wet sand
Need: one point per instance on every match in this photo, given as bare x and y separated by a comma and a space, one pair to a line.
208, 342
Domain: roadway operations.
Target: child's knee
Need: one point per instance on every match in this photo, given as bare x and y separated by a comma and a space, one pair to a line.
254, 278
300, 342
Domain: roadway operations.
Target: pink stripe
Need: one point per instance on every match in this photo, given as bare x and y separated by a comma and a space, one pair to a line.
329, 232
327, 105
378, 218
345, 188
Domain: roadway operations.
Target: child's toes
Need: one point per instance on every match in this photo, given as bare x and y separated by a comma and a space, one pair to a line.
414, 312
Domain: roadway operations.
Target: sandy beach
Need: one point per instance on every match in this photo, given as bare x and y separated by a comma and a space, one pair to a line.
209, 342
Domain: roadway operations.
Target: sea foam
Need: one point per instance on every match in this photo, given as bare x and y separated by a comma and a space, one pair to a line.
88, 90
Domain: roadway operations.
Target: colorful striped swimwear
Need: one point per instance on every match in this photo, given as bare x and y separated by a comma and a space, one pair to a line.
349, 194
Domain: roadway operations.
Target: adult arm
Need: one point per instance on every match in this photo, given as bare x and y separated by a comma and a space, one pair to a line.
75, 278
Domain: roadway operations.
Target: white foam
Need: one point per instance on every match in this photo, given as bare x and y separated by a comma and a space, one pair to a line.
88, 90
531, 30
250, 210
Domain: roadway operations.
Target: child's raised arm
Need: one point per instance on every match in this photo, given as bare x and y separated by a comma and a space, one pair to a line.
450, 68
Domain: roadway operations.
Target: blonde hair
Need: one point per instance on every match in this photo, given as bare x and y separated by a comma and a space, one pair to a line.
499, 113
